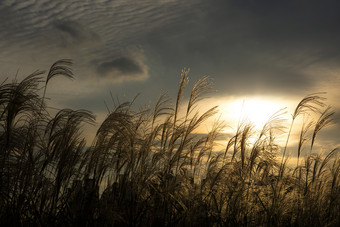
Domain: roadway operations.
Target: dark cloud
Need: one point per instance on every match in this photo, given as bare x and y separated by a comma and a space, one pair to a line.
271, 47
70, 33
123, 65
123, 68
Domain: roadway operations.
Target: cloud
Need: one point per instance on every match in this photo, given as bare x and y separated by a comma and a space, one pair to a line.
124, 68
123, 64
70, 33
268, 47
35, 33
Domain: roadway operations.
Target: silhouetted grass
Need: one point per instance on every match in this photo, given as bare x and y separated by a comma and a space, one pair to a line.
150, 168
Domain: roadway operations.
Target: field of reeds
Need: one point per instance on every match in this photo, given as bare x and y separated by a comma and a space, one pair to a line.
149, 168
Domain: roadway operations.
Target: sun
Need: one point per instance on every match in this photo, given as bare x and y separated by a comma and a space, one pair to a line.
255, 110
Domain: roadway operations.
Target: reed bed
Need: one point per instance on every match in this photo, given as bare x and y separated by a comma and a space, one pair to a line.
149, 167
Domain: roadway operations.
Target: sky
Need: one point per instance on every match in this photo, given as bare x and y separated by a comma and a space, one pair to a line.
273, 51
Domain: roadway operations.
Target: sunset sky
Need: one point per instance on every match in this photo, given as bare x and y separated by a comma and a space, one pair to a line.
269, 51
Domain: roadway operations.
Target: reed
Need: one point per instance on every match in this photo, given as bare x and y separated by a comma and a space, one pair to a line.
149, 167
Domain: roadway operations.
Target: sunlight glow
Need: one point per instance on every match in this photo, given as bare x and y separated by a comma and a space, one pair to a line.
255, 110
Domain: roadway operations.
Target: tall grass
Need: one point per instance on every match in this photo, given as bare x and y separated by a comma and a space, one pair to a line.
149, 168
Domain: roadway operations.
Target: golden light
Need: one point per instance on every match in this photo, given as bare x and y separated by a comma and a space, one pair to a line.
255, 110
